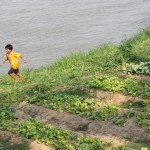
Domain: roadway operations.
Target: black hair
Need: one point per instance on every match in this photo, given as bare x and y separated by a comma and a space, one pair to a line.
9, 46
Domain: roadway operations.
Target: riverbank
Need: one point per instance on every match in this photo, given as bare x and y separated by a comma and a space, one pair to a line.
71, 85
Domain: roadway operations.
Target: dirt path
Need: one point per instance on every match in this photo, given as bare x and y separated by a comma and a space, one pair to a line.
82, 125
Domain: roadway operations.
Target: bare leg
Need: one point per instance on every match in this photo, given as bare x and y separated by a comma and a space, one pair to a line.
20, 76
13, 76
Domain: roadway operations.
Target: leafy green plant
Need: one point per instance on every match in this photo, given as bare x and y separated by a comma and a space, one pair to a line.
85, 143
6, 116
141, 119
132, 87
106, 83
120, 120
48, 134
115, 84
121, 147
106, 111
74, 104
129, 113
6, 113
60, 138
146, 87
142, 68
146, 102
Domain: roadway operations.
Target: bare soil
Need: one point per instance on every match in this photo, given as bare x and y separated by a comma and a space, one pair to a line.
137, 77
12, 138
96, 128
105, 97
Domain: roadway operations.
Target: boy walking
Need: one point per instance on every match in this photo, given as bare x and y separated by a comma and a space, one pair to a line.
14, 64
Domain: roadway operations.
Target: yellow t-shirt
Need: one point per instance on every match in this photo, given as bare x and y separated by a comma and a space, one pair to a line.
13, 59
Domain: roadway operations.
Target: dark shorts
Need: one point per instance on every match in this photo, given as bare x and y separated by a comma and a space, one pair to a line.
12, 70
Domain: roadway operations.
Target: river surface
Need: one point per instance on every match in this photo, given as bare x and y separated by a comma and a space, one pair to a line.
43, 30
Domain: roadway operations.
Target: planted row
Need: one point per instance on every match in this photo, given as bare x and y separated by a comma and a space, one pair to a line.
116, 84
74, 104
54, 136
51, 135
48, 134
86, 107
60, 138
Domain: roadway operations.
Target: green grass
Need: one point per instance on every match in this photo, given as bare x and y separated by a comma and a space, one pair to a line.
136, 49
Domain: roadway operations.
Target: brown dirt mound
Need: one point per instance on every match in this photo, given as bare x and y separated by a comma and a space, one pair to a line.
105, 97
35, 145
82, 125
12, 138
137, 77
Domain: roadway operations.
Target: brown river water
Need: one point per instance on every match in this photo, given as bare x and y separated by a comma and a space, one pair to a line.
43, 30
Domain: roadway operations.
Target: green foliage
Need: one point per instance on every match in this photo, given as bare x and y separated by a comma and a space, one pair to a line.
146, 102
74, 104
106, 83
121, 147
132, 87
86, 143
129, 113
142, 118
59, 138
128, 86
146, 87
142, 68
45, 133
120, 120
136, 49
70, 103
6, 113
106, 111
125, 49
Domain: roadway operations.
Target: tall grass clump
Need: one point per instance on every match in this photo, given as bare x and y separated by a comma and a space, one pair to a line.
137, 48
99, 58
102, 58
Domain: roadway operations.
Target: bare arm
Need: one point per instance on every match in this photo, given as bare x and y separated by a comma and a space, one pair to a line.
23, 59
5, 60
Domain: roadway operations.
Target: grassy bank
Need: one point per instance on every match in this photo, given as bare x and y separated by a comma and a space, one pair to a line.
67, 79
71, 70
